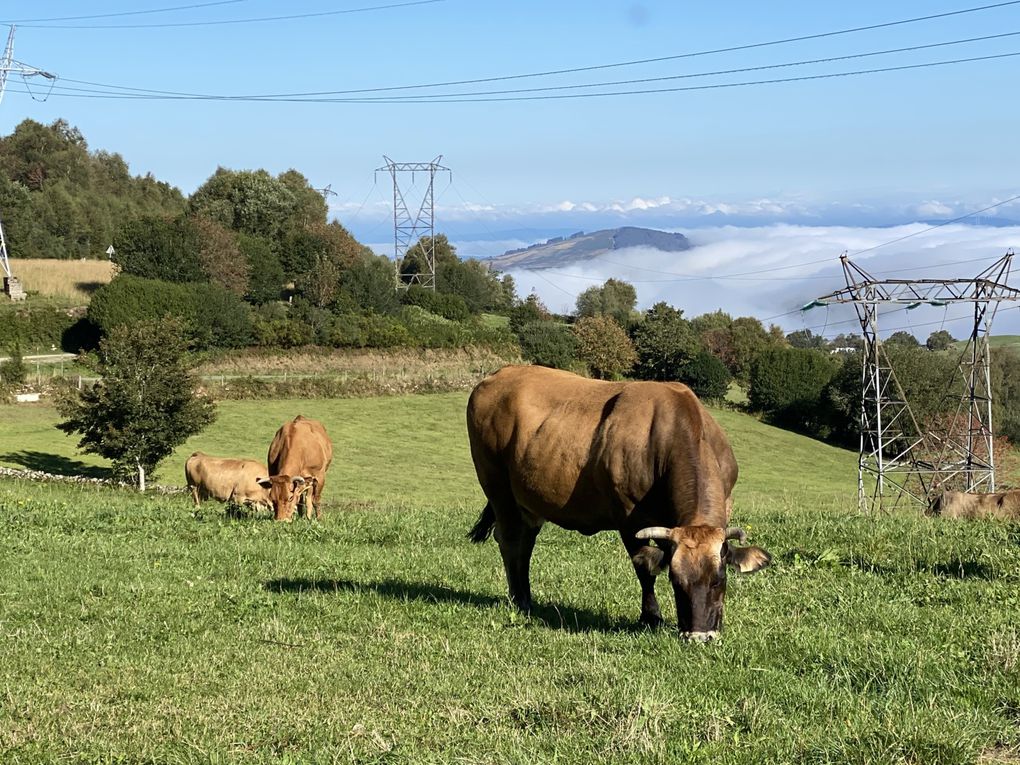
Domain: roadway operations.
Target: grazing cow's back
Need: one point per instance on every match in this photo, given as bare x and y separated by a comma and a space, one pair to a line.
957, 504
226, 479
299, 456
592, 456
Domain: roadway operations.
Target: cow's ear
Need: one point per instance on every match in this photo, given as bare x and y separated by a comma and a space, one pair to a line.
651, 559
746, 560
265, 483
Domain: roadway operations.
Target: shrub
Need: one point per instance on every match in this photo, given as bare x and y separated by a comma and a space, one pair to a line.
787, 385
548, 344
707, 376
13, 371
210, 315
604, 346
34, 328
282, 333
446, 305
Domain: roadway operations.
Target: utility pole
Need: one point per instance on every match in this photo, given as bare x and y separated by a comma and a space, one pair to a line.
12, 285
421, 225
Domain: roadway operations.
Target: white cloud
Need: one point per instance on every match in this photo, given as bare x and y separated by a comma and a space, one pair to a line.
787, 275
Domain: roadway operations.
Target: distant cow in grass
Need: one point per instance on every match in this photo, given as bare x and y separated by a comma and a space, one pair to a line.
228, 480
299, 457
957, 504
645, 459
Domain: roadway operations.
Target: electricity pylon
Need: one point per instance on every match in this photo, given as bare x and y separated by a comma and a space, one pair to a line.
421, 226
900, 454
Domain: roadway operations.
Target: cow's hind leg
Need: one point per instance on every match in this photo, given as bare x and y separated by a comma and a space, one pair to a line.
516, 538
316, 497
648, 562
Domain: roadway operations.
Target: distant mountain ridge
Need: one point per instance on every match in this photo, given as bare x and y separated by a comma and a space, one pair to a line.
582, 246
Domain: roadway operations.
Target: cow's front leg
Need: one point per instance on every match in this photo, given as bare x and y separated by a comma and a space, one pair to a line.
648, 562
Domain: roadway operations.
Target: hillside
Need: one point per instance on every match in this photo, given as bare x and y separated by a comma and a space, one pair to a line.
582, 246
141, 629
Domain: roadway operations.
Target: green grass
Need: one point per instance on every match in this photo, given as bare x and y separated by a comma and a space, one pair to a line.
139, 630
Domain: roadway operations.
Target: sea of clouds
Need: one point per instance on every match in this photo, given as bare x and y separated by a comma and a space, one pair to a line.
791, 265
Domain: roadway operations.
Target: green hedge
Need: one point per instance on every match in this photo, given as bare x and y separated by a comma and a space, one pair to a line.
213, 317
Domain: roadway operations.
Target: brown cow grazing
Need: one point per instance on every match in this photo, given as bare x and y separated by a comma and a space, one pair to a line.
642, 458
299, 457
228, 480
1004, 505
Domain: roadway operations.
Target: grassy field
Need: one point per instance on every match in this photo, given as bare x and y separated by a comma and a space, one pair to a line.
140, 630
73, 279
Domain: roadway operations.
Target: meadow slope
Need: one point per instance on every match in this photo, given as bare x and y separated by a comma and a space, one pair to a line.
137, 629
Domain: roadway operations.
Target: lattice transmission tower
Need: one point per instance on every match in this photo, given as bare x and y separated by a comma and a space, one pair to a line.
901, 456
12, 286
414, 222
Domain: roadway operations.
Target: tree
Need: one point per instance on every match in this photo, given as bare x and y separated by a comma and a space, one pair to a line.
160, 248
805, 338
266, 277
665, 344
529, 310
939, 341
369, 283
902, 339
604, 346
144, 405
220, 256
615, 298
247, 201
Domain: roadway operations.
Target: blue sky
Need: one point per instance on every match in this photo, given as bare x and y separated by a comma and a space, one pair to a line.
944, 135
756, 176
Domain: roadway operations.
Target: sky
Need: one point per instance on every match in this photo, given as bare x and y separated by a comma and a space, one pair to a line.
828, 155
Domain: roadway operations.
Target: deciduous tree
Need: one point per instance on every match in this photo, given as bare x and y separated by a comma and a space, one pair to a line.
144, 405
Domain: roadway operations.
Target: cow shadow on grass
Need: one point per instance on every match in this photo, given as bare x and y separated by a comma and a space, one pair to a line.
55, 463
552, 616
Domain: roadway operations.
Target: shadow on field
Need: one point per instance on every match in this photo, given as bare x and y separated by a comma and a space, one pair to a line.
554, 617
89, 287
54, 463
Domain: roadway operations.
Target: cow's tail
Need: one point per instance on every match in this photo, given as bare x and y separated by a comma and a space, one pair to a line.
483, 527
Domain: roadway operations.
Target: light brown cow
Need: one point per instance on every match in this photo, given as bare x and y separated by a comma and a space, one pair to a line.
957, 504
228, 480
641, 458
299, 457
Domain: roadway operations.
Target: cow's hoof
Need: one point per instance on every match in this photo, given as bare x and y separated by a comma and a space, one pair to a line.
651, 621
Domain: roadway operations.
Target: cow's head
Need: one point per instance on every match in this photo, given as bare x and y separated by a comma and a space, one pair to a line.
697, 558
285, 492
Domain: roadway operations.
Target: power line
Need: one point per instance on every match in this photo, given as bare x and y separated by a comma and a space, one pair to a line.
128, 13
673, 77
607, 66
290, 17
81, 93
718, 86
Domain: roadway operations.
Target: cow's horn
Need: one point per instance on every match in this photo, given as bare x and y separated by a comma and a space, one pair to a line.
735, 532
654, 532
